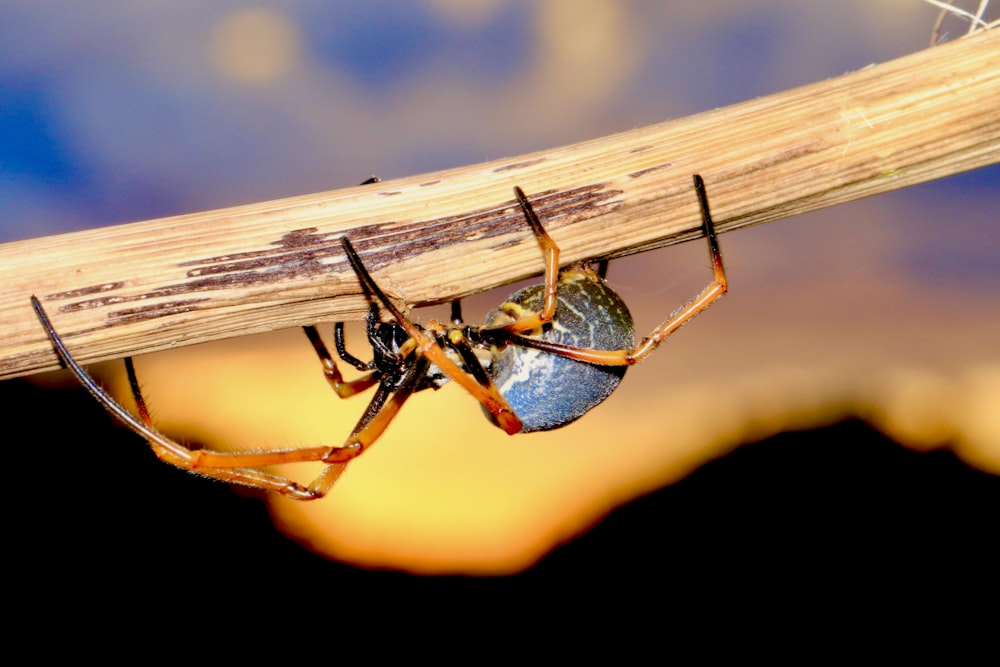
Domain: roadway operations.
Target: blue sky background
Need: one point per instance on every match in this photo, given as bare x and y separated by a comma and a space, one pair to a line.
115, 111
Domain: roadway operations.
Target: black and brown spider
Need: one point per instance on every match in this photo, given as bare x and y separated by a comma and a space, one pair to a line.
555, 351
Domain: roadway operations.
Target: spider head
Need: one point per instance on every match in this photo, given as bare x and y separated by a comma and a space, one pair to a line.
394, 353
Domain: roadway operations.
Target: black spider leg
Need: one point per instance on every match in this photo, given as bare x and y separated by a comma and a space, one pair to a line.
462, 347
133, 383
404, 378
371, 327
339, 344
343, 388
371, 321
469, 359
399, 386
456, 312
333, 376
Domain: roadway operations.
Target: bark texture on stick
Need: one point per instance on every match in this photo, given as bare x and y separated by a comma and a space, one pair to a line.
176, 281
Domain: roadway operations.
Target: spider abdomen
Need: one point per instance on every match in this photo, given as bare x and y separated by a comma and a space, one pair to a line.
548, 390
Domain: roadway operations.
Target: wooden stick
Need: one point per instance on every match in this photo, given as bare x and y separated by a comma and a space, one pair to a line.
177, 281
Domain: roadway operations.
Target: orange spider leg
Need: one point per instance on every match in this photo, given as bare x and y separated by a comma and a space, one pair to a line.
551, 252
428, 348
487, 395
344, 388
706, 298
217, 465
236, 467
369, 429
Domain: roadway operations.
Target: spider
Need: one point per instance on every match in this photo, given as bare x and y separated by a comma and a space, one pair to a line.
555, 350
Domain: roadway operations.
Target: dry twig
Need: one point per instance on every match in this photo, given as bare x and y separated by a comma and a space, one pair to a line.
177, 281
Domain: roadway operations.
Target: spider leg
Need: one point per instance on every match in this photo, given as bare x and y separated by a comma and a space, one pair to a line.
551, 252
377, 416
344, 388
471, 361
371, 324
338, 341
428, 348
712, 292
176, 454
236, 467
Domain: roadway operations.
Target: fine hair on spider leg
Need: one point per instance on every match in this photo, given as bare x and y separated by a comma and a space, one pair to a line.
555, 351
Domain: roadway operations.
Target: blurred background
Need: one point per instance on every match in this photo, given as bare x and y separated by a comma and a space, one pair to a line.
857, 347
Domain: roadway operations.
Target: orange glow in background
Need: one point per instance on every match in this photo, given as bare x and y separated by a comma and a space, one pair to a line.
791, 347
884, 309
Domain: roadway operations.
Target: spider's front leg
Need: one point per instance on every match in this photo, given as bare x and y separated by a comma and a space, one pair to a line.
236, 467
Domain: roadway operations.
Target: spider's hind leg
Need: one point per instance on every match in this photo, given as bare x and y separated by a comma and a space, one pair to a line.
712, 292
